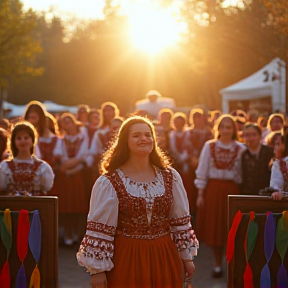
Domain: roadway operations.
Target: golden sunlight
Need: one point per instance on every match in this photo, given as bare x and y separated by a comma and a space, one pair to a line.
153, 28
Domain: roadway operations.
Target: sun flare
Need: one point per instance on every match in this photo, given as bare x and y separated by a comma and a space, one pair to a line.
153, 28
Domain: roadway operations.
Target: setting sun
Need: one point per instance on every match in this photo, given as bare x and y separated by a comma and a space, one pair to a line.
153, 28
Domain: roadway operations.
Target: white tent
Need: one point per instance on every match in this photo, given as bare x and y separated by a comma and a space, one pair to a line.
19, 110
270, 81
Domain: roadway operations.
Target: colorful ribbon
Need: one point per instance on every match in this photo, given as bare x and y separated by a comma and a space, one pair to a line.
249, 244
6, 235
35, 236
269, 245
281, 246
22, 246
231, 236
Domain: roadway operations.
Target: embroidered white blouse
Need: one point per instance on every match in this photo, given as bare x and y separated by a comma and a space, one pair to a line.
83, 150
104, 196
57, 151
42, 180
219, 162
277, 179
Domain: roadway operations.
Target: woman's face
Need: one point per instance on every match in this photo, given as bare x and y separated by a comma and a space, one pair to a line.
33, 118
23, 142
276, 123
252, 137
226, 128
140, 139
94, 119
108, 113
179, 123
68, 125
279, 147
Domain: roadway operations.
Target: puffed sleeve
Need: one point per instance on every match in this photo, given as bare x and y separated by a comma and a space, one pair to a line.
97, 247
4, 176
180, 224
276, 180
203, 167
46, 175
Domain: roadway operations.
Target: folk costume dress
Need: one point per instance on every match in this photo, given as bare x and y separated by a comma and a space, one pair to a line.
50, 150
32, 176
180, 157
72, 197
279, 174
193, 143
219, 173
130, 230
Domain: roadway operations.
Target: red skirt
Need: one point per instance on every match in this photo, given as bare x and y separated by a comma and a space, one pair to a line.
212, 217
140, 263
72, 194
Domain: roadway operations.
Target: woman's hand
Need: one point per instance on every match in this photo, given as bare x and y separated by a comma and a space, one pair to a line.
189, 268
99, 280
200, 198
277, 196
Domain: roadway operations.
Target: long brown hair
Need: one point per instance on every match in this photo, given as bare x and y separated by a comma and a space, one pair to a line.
118, 153
37, 107
23, 126
218, 123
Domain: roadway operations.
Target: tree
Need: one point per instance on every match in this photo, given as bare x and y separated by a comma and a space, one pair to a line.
18, 48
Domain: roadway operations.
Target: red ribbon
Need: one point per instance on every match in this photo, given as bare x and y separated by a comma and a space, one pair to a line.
231, 236
23, 234
5, 281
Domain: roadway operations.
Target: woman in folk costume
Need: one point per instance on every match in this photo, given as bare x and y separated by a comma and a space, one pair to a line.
25, 174
108, 112
73, 202
89, 131
179, 152
279, 173
218, 175
49, 147
194, 141
135, 205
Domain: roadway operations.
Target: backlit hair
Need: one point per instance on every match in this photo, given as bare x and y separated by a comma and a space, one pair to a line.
218, 123
118, 153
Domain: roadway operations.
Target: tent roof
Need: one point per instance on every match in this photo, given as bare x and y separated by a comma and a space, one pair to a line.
263, 78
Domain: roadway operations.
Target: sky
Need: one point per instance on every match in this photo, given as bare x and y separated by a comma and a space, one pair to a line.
91, 9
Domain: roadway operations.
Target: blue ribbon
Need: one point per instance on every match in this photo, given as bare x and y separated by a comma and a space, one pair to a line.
21, 281
35, 235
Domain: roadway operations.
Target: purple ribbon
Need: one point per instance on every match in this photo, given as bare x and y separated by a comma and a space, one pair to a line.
21, 281
269, 245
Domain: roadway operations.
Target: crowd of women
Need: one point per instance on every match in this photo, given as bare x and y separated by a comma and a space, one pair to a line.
213, 156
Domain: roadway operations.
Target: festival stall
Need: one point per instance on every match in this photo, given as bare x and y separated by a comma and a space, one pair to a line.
265, 90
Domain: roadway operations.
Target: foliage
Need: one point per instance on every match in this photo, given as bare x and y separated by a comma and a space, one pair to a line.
18, 48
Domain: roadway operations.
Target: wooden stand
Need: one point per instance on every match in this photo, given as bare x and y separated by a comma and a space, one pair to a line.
236, 268
48, 211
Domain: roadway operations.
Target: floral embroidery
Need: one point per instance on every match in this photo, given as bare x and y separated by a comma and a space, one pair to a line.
224, 159
284, 171
23, 175
132, 218
97, 248
185, 239
100, 227
180, 221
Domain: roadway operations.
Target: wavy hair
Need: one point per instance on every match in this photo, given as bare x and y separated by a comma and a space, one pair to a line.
118, 153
